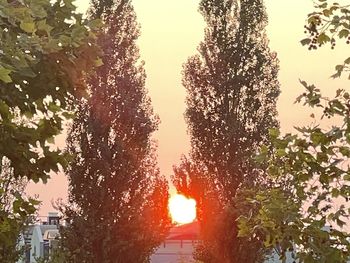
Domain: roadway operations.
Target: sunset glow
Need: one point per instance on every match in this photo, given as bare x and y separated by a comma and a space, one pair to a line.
182, 209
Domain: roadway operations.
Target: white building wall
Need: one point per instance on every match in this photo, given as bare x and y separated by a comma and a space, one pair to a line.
37, 244
174, 251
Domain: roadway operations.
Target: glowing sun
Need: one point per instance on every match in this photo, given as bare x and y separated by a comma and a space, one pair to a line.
182, 209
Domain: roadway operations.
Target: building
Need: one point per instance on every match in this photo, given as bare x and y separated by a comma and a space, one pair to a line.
179, 245
40, 239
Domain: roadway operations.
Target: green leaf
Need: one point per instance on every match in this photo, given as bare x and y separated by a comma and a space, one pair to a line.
5, 75
281, 152
324, 179
345, 151
37, 9
317, 137
322, 157
305, 41
98, 62
335, 192
343, 33
274, 133
28, 114
42, 25
323, 38
78, 34
95, 24
4, 111
68, 115
51, 140
28, 27
347, 177
327, 12
339, 67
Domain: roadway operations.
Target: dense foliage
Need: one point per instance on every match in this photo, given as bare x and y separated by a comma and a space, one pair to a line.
117, 208
231, 103
309, 188
16, 211
304, 213
45, 50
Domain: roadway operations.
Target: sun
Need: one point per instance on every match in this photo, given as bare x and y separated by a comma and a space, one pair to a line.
182, 209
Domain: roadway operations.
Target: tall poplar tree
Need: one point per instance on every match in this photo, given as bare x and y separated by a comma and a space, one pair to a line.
232, 90
118, 200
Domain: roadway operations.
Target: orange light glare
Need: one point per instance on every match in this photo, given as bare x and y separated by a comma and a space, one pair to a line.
182, 209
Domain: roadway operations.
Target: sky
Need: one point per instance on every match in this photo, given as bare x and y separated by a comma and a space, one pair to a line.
171, 31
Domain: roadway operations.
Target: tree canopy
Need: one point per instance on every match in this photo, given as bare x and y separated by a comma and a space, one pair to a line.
304, 211
232, 89
45, 50
117, 198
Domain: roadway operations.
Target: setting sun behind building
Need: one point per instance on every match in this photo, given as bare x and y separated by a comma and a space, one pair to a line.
182, 209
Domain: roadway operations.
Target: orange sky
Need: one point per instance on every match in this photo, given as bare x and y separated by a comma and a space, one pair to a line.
171, 31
